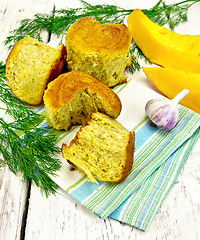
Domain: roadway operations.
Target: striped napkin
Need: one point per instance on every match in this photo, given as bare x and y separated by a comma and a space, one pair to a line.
159, 157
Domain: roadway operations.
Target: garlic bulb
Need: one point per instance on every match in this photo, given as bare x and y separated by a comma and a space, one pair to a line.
163, 112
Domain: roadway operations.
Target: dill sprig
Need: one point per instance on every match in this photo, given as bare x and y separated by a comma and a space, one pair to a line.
18, 110
32, 154
137, 55
57, 22
26, 147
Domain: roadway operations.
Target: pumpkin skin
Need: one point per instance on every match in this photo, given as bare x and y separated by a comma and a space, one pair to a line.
172, 81
162, 46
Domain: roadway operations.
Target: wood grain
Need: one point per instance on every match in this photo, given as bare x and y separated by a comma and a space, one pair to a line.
13, 191
13, 194
24, 216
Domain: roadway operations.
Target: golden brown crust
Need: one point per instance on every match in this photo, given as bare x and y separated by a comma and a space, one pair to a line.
62, 89
56, 69
64, 148
52, 72
90, 36
126, 161
58, 64
129, 156
13, 52
100, 50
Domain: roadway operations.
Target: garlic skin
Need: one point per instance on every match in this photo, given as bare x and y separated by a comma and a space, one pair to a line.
164, 112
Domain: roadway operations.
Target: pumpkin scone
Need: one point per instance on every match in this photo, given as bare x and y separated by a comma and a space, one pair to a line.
30, 66
100, 50
103, 149
73, 96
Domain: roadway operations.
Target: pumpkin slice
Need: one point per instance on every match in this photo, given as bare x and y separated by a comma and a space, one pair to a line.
172, 81
162, 46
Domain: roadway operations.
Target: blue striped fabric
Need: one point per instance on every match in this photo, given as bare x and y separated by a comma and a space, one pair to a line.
163, 176
152, 168
86, 188
158, 158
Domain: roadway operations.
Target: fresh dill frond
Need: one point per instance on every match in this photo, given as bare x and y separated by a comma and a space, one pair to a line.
18, 110
137, 55
25, 147
169, 14
28, 148
33, 27
33, 155
58, 22
2, 69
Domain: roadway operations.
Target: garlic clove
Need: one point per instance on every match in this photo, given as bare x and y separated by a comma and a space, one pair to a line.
164, 112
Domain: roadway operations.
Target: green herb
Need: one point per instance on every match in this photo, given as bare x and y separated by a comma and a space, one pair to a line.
172, 14
14, 106
137, 55
24, 146
57, 22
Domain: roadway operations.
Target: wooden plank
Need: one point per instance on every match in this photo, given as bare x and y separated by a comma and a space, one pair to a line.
13, 191
178, 217
13, 194
12, 12
59, 217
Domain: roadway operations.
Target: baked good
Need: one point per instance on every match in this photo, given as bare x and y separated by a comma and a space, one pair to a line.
102, 149
100, 50
73, 96
30, 66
